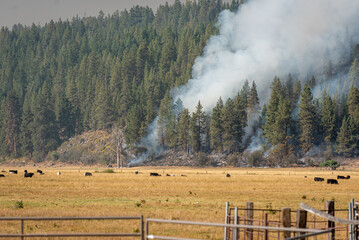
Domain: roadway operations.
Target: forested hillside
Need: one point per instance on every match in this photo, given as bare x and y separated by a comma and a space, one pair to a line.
82, 74
87, 74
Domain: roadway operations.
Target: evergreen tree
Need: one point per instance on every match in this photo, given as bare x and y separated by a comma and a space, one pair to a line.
133, 124
198, 128
171, 132
253, 100
164, 116
103, 117
347, 138
263, 116
290, 88
353, 104
27, 147
44, 128
272, 111
216, 127
245, 92
353, 74
328, 119
296, 92
282, 121
11, 124
67, 120
230, 127
240, 105
184, 131
306, 119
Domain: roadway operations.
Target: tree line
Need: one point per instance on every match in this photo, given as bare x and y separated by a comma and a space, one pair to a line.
93, 73
67, 77
290, 126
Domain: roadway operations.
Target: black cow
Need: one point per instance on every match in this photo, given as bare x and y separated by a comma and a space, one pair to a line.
27, 174
318, 179
155, 174
2, 175
228, 175
332, 181
167, 175
40, 172
136, 172
13, 171
88, 174
343, 177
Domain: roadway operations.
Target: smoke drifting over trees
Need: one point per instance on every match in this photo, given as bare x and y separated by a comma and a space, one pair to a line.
264, 39
202, 76
298, 41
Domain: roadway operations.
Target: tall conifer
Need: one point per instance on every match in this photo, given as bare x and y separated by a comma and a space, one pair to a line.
306, 119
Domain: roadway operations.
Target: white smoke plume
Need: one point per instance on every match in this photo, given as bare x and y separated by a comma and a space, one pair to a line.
150, 143
267, 38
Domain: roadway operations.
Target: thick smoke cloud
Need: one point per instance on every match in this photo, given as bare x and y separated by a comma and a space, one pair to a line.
263, 39
267, 38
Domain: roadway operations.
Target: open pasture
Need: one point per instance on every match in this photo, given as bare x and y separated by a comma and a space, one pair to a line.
200, 195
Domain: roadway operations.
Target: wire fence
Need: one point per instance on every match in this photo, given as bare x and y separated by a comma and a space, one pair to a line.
23, 220
312, 232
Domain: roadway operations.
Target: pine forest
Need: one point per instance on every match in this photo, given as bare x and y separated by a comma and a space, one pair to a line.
115, 74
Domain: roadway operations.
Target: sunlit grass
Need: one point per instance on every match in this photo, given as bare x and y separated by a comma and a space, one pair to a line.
198, 196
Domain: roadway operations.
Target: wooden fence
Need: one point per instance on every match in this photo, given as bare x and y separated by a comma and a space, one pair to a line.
286, 217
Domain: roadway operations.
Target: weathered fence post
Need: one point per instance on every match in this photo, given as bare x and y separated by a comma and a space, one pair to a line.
141, 226
329, 208
351, 217
226, 221
235, 230
249, 216
301, 220
266, 224
285, 221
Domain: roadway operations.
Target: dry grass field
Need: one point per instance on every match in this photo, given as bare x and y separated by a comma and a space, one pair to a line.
200, 195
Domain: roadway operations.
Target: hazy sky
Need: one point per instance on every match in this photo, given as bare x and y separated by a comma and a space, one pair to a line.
40, 12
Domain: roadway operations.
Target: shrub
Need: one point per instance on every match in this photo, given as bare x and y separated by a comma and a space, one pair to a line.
329, 163
54, 156
233, 160
255, 158
201, 158
108, 171
18, 204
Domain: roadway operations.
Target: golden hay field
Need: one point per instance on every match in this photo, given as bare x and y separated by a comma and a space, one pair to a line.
198, 196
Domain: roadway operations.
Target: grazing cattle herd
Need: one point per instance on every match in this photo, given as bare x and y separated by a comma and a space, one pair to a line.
331, 181
155, 174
